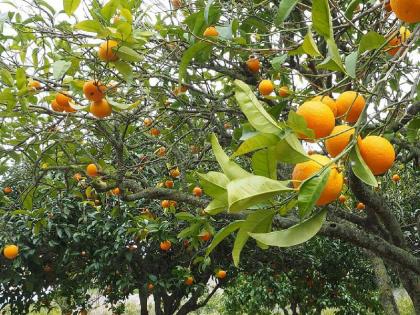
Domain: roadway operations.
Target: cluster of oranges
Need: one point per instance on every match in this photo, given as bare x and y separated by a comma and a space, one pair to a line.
320, 114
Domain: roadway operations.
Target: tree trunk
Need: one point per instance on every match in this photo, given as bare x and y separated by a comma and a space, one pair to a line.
384, 284
158, 307
293, 307
143, 302
411, 283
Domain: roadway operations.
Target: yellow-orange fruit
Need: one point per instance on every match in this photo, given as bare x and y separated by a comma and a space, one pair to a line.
336, 144
169, 183
360, 206
174, 172
221, 274
150, 286
350, 105
318, 117
55, 107
342, 199
161, 151
94, 91
197, 191
306, 169
116, 191
155, 132
253, 64
189, 280
211, 31
34, 85
165, 204
63, 101
77, 177
327, 101
205, 236
165, 245
394, 45
148, 122
284, 91
92, 170
396, 178
105, 51
265, 87
378, 154
406, 10
10, 251
100, 109
7, 190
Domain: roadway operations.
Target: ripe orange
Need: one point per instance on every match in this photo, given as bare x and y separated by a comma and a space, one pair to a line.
407, 10
306, 169
211, 31
205, 236
327, 101
105, 51
176, 4
350, 105
189, 280
172, 203
388, 6
265, 87
10, 251
342, 199
396, 178
55, 107
7, 190
221, 274
174, 173
378, 153
116, 191
155, 132
318, 117
100, 109
284, 91
169, 183
165, 204
92, 170
94, 91
360, 206
148, 122
77, 177
63, 101
336, 144
161, 151
394, 45
197, 191
150, 286
165, 245
253, 64
34, 85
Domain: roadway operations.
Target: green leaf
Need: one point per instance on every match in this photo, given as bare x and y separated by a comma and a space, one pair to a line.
60, 67
26, 198
128, 54
214, 184
321, 18
310, 190
185, 216
258, 218
285, 7
264, 163
290, 150
413, 129
350, 9
259, 141
189, 55
253, 110
370, 41
222, 234
334, 54
308, 47
230, 168
276, 62
21, 78
351, 61
249, 191
125, 69
6, 77
294, 235
90, 26
122, 106
206, 11
298, 124
70, 6
217, 206
109, 9
360, 169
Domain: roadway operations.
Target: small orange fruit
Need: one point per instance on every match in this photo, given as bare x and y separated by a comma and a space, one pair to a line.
211, 31
106, 52
350, 105
11, 251
336, 144
176, 3
169, 183
378, 153
395, 42
306, 169
100, 109
318, 117
92, 170
116, 191
165, 245
161, 151
253, 64
7, 190
155, 132
165, 204
55, 107
406, 10
150, 286
327, 101
396, 178
205, 236
94, 91
63, 102
265, 87
34, 85
360, 206
197, 191
221, 274
189, 280
172, 203
284, 91
148, 122
174, 173
342, 199
77, 177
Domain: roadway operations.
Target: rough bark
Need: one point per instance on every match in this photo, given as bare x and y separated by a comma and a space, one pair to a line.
411, 283
143, 302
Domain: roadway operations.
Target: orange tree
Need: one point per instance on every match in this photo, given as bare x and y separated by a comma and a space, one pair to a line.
135, 92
